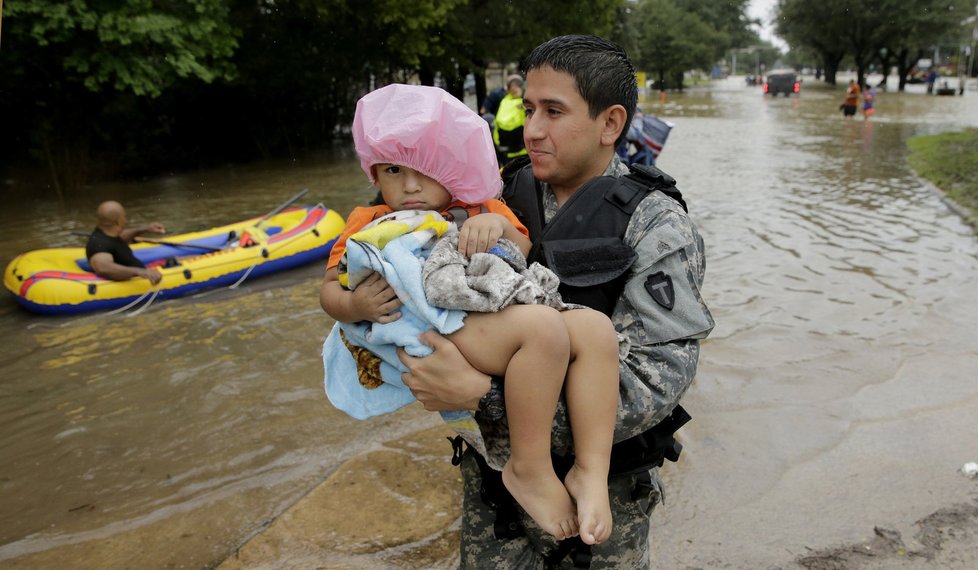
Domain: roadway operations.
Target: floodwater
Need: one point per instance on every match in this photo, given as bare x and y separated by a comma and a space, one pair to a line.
167, 438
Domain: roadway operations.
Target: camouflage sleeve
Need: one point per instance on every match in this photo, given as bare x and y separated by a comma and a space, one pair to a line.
661, 314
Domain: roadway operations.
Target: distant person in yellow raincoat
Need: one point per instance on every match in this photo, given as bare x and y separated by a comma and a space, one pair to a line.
507, 133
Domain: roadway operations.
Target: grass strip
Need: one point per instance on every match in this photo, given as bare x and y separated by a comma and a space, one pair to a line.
950, 161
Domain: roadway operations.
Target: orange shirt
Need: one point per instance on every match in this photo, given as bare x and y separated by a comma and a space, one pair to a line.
360, 217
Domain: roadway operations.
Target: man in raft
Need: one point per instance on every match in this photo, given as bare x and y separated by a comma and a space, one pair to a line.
108, 249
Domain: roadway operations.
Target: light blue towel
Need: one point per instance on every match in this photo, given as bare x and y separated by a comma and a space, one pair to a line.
416, 262
400, 262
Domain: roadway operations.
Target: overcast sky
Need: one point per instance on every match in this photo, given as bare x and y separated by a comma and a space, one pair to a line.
762, 9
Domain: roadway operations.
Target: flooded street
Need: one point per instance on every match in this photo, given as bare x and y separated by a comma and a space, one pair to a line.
837, 392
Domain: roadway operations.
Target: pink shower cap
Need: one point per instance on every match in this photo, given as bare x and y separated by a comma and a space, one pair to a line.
427, 129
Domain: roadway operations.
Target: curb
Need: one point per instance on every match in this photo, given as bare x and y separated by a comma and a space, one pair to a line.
966, 215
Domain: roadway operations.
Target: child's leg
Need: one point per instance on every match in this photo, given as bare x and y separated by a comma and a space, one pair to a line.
528, 344
591, 389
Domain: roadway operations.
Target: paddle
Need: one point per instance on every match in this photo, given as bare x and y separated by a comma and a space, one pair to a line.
284, 205
162, 242
179, 244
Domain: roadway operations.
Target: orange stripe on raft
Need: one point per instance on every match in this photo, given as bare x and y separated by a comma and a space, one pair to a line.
311, 219
42, 275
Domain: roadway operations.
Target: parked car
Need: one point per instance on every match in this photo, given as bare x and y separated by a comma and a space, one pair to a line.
782, 81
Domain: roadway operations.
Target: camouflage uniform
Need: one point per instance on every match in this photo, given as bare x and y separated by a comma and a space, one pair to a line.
660, 349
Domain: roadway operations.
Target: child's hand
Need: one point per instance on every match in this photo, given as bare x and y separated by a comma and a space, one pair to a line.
481, 232
374, 300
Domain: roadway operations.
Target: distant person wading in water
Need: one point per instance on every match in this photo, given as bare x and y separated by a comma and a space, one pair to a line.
869, 101
851, 101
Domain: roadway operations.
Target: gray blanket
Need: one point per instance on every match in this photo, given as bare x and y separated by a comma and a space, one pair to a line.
487, 282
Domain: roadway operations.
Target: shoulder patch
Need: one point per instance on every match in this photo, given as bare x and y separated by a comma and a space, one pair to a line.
659, 287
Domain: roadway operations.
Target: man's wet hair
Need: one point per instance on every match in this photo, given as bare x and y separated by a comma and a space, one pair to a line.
601, 69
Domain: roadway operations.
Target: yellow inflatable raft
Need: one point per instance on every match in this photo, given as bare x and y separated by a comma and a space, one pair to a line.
60, 281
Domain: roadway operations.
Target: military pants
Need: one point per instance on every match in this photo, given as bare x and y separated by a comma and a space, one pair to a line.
633, 497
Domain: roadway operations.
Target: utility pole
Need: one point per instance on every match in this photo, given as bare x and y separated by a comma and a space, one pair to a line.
971, 51
971, 57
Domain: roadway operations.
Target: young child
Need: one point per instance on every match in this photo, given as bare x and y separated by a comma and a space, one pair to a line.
408, 139
869, 96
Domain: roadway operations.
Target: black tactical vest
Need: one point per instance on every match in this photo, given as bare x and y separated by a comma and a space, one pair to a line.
583, 243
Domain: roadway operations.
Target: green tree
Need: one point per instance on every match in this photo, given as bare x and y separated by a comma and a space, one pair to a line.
673, 41
734, 28
66, 65
480, 32
626, 32
815, 25
303, 64
137, 45
863, 28
926, 24
140, 85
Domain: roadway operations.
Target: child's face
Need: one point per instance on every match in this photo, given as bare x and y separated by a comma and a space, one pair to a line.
404, 188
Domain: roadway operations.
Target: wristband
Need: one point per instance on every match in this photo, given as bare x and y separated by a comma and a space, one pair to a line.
492, 404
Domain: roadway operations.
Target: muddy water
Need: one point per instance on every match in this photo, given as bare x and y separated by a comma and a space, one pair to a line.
164, 439
840, 283
838, 390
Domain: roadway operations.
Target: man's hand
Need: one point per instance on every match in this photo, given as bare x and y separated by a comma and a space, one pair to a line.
375, 300
129, 235
105, 267
152, 274
443, 380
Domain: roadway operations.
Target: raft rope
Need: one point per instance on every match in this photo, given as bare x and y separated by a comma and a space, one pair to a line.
248, 272
269, 249
132, 304
146, 306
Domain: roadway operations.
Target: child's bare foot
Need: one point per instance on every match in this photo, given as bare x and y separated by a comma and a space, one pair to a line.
544, 498
590, 490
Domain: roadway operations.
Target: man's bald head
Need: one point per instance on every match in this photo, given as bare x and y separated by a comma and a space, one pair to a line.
111, 216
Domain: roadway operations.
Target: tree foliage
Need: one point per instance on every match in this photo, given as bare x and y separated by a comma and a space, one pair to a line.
673, 41
71, 68
131, 86
732, 26
137, 45
868, 30
671, 37
482, 31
